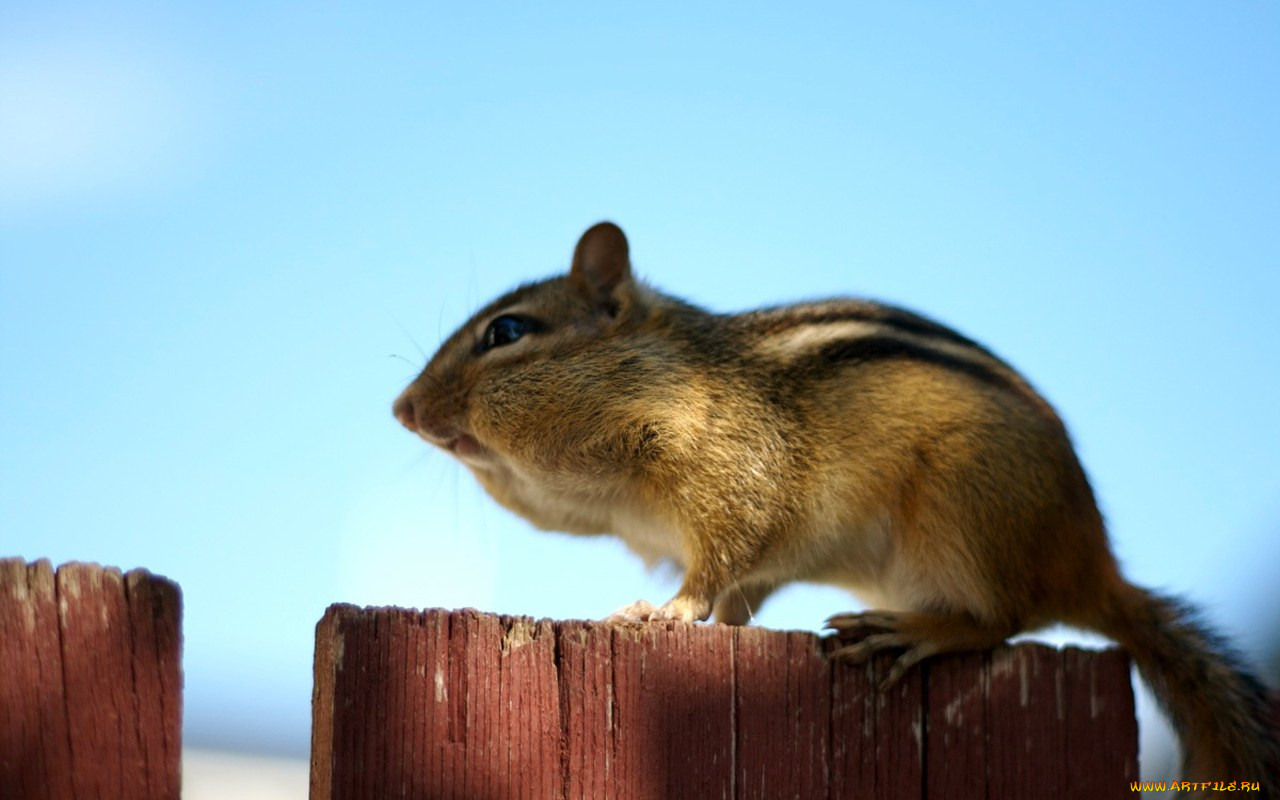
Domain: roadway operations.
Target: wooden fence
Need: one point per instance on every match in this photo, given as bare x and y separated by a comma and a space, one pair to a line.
90, 683
440, 704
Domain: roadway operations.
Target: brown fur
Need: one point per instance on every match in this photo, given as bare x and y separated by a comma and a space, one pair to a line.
843, 442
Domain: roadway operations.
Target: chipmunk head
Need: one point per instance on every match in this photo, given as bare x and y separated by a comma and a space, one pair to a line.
501, 380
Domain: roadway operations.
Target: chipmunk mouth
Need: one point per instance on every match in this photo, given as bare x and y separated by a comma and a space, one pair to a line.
439, 431
465, 446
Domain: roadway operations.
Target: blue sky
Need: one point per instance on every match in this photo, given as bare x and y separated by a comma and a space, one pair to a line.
230, 234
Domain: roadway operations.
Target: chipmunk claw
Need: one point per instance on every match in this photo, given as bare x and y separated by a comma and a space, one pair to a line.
854, 623
877, 632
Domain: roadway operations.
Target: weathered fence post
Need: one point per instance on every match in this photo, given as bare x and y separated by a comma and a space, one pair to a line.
441, 704
90, 683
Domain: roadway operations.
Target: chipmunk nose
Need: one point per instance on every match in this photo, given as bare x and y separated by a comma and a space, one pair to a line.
404, 410
415, 413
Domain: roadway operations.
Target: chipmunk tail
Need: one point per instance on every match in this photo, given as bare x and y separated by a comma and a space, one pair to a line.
1224, 716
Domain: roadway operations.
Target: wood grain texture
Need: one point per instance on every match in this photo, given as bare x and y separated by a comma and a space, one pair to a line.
91, 695
956, 736
1098, 727
439, 704
1027, 722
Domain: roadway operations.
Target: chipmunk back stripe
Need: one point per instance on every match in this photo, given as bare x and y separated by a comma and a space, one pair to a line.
888, 347
863, 311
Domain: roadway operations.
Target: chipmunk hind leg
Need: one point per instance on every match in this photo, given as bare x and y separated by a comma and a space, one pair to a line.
991, 537
918, 635
961, 577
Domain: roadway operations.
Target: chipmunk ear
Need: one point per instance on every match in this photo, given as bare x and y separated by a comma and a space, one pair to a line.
601, 262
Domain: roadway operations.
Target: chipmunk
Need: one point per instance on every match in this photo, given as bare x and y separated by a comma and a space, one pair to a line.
842, 442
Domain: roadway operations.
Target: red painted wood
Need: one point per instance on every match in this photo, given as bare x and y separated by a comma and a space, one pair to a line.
782, 715
93, 617
323, 702
462, 704
673, 704
529, 722
435, 705
587, 711
956, 726
90, 703
1027, 722
899, 733
155, 619
853, 731
1100, 724
35, 748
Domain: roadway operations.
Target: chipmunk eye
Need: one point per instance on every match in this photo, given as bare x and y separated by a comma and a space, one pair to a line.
505, 330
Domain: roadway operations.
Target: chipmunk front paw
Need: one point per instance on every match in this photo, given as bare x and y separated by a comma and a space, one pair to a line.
682, 609
639, 611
